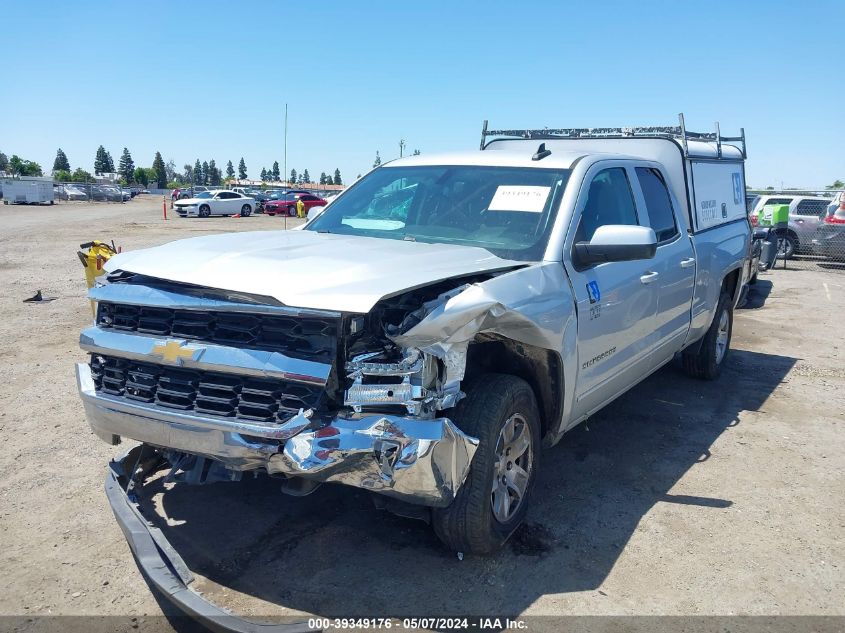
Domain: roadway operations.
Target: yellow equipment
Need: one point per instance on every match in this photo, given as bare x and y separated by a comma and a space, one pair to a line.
93, 257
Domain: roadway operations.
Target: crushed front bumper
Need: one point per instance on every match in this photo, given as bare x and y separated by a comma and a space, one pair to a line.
161, 565
422, 461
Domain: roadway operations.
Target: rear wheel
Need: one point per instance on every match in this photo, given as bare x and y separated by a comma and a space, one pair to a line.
501, 411
205, 211
292, 212
707, 362
246, 210
787, 246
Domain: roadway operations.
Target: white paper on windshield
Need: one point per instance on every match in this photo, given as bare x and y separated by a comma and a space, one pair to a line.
519, 198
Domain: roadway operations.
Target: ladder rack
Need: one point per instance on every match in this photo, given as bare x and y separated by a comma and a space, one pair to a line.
679, 132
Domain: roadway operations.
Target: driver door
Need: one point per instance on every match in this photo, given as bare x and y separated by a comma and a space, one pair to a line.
616, 301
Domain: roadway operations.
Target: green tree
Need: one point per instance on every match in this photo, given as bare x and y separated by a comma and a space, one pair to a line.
101, 161
230, 170
214, 175
170, 170
140, 176
837, 184
61, 175
275, 172
160, 171
322, 178
197, 172
242, 169
4, 162
22, 167
126, 167
292, 180
61, 163
306, 177
80, 175
337, 179
263, 174
205, 173
377, 161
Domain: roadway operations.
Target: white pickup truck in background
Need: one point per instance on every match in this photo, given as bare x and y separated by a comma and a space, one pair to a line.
445, 318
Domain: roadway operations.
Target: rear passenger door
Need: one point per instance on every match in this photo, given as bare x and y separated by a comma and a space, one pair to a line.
808, 215
674, 262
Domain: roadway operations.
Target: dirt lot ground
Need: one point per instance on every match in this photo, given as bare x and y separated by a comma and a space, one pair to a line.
683, 497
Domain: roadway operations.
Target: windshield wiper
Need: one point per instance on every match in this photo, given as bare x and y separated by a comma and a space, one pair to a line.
409, 238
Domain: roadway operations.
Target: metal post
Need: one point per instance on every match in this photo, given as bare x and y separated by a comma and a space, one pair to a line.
718, 141
164, 206
483, 133
285, 168
683, 134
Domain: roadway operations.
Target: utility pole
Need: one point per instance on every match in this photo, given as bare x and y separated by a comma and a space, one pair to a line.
401, 147
285, 172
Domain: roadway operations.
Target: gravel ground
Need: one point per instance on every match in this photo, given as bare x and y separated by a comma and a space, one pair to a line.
681, 498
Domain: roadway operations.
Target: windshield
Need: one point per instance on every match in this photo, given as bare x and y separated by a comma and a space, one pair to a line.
507, 210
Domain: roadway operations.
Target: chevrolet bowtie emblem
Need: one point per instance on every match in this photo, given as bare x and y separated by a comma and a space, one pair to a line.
176, 351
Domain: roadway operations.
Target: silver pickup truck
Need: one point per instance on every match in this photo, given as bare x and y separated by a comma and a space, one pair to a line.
442, 321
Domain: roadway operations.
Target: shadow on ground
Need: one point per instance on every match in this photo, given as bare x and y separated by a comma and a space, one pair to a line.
757, 294
333, 553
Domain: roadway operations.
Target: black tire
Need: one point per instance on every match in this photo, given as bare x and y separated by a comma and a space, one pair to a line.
246, 210
468, 524
707, 363
787, 246
204, 211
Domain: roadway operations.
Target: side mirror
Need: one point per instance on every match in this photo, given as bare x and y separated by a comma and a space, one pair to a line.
617, 243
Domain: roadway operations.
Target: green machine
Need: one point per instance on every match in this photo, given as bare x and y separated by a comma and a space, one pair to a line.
775, 215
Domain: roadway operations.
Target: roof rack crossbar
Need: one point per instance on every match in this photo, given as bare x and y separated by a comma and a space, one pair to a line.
667, 131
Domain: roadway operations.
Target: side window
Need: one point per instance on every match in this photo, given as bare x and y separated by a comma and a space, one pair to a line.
609, 201
658, 203
815, 208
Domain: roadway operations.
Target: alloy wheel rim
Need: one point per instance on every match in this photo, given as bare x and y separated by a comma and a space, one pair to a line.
512, 470
722, 337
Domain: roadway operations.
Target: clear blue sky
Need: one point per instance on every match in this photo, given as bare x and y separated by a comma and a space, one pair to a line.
211, 79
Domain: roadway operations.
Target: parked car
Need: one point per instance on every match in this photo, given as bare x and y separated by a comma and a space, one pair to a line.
829, 240
182, 193
425, 356
805, 215
287, 203
105, 193
72, 192
216, 202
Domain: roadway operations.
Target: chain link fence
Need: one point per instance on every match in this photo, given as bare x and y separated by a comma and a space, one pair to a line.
93, 192
808, 227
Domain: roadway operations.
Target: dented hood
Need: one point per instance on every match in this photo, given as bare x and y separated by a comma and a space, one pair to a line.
306, 269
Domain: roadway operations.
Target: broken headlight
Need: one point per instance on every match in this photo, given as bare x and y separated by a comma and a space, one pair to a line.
390, 378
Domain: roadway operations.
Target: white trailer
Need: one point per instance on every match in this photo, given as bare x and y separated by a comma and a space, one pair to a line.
27, 190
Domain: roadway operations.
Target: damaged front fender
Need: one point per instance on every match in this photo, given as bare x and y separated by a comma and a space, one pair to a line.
531, 305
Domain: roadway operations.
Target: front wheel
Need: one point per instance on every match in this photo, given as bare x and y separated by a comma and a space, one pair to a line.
292, 212
205, 211
501, 411
246, 210
707, 362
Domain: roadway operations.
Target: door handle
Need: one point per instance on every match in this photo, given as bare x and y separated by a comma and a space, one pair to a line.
688, 262
649, 277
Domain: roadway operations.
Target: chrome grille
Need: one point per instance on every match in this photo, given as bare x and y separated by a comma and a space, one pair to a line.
203, 392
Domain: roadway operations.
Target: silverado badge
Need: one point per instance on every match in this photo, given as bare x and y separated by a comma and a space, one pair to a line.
176, 351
